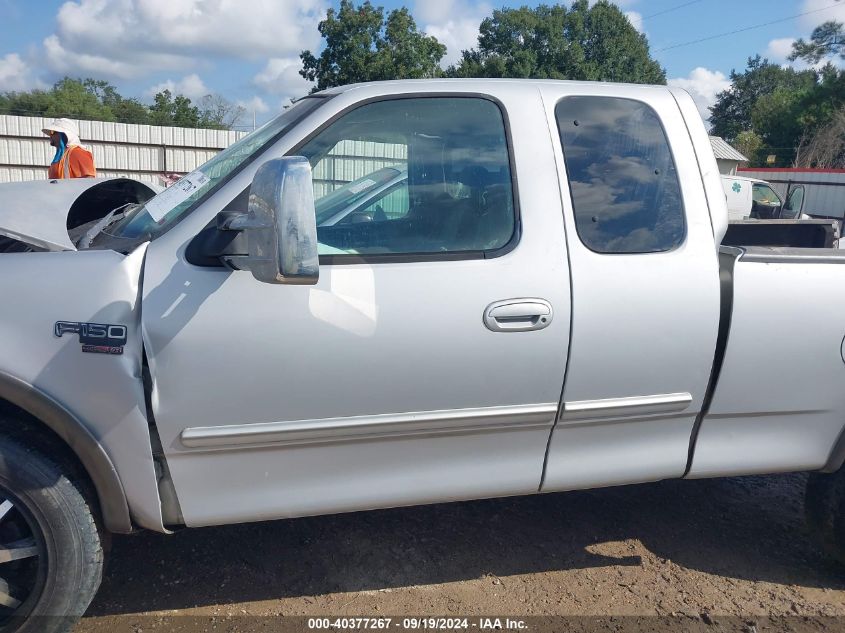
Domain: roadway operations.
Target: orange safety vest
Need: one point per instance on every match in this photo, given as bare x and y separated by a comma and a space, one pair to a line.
62, 169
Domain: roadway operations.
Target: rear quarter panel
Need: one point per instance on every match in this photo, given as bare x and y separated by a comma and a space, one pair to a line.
779, 404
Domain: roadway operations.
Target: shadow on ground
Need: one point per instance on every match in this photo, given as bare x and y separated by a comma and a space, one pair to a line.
746, 528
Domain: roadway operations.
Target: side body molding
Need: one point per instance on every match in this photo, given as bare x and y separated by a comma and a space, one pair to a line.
67, 426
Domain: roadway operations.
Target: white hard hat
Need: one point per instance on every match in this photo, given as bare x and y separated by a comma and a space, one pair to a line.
62, 125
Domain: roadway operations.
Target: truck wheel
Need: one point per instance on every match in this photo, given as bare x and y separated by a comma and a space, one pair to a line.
824, 509
51, 557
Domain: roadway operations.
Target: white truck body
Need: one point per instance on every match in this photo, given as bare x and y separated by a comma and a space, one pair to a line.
571, 322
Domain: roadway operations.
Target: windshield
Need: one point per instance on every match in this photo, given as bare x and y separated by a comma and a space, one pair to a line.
166, 209
763, 194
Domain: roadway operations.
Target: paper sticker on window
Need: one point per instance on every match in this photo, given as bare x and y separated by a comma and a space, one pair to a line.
361, 186
175, 194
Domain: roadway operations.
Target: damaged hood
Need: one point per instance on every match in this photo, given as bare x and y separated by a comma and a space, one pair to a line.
40, 212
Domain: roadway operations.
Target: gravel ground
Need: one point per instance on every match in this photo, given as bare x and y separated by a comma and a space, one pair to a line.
694, 551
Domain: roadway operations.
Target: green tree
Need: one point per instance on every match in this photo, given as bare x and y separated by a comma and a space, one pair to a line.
75, 98
595, 43
785, 108
827, 40
776, 119
732, 112
170, 110
98, 100
360, 45
124, 110
217, 113
749, 145
33, 103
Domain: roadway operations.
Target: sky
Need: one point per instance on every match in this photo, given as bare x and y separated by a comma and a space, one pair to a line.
248, 50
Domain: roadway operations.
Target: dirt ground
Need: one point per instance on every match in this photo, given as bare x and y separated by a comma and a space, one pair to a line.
698, 551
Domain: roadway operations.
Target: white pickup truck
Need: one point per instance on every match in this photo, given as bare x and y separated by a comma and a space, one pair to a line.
536, 300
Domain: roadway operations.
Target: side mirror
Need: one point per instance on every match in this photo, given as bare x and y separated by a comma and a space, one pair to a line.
280, 225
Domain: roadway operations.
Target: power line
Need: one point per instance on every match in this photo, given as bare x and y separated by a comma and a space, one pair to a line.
742, 30
670, 9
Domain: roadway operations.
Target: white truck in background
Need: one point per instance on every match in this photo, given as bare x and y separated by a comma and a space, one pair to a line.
822, 191
749, 198
760, 216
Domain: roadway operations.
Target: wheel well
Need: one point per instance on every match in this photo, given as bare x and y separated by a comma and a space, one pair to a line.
30, 431
36, 418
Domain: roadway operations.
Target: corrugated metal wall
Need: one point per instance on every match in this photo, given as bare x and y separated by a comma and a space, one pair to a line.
350, 160
144, 152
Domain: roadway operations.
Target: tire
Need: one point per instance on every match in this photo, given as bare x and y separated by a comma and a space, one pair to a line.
824, 510
56, 542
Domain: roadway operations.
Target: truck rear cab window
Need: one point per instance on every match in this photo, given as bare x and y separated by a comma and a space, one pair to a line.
622, 178
413, 176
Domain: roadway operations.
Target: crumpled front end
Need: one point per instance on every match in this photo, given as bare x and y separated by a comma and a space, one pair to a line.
41, 214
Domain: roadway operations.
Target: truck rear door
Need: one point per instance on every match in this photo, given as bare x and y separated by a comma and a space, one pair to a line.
645, 284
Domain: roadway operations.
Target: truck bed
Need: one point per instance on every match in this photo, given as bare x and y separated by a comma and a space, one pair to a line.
822, 234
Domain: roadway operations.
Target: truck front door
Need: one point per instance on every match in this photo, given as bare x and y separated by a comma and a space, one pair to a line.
395, 380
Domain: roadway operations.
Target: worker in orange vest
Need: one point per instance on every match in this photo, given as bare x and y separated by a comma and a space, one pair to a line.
72, 160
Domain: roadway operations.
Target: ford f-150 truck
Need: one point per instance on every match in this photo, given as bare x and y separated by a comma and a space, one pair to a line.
543, 304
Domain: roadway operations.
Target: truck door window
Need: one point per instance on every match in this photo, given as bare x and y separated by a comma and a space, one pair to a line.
794, 203
423, 176
622, 179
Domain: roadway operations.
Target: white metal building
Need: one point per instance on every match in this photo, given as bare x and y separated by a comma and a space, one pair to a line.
727, 157
145, 152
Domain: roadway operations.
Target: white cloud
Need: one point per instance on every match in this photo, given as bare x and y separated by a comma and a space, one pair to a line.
127, 38
62, 60
280, 76
191, 86
16, 75
453, 22
434, 11
778, 50
703, 85
818, 11
636, 20
256, 104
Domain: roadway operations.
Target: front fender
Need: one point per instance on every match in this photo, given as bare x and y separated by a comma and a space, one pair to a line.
99, 397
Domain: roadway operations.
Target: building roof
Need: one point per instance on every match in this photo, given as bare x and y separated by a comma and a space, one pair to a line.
723, 151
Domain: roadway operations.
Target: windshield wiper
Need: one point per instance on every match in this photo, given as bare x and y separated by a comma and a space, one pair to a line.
111, 218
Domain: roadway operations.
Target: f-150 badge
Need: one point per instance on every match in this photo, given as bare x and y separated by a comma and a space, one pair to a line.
95, 338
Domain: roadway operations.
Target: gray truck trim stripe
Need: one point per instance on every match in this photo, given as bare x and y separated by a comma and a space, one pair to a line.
625, 407
68, 427
728, 256
374, 427
781, 255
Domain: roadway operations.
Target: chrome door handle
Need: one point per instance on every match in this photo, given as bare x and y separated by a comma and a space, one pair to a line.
518, 315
